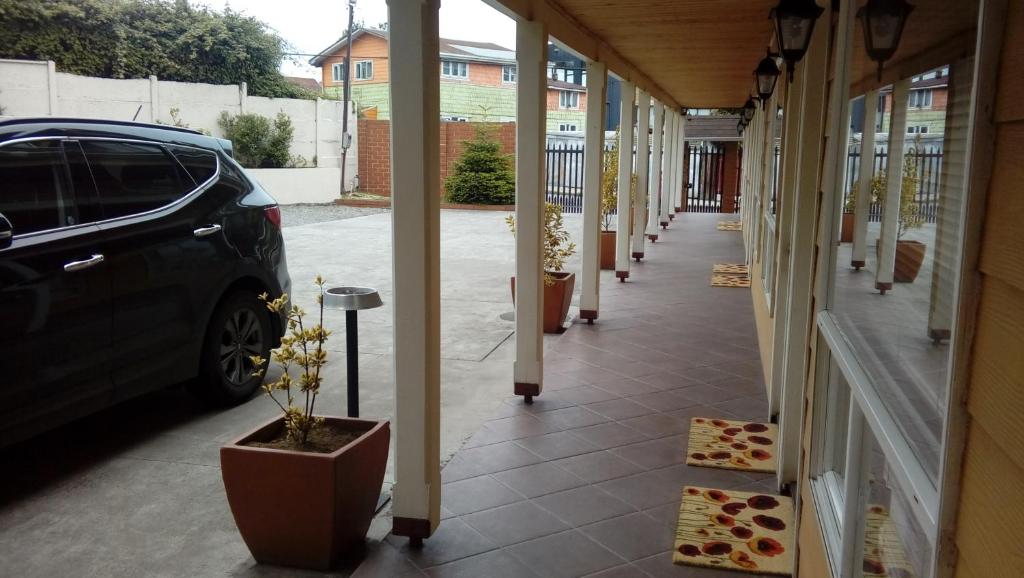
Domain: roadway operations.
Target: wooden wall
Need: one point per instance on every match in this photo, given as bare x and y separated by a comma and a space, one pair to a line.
992, 486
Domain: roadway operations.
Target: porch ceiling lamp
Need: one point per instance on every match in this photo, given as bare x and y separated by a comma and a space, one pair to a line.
883, 21
794, 23
766, 75
748, 110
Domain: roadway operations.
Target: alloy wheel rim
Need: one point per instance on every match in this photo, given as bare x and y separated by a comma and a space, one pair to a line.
241, 338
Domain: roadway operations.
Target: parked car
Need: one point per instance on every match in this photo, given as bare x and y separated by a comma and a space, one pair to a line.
131, 258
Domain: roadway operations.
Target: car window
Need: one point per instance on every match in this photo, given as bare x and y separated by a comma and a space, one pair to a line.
202, 165
34, 194
133, 177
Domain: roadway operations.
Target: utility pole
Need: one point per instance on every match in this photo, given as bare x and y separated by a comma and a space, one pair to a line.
346, 139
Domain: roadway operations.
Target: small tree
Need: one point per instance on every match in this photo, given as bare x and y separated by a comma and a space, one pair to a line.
910, 216
258, 141
482, 175
610, 185
557, 246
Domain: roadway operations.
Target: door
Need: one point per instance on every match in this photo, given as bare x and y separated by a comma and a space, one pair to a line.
55, 307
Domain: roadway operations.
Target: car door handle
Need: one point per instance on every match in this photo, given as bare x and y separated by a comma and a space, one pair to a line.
84, 264
207, 230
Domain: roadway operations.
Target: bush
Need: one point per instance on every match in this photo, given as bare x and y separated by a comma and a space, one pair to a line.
482, 175
259, 143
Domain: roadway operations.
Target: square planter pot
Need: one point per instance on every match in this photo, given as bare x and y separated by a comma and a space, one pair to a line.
608, 250
846, 230
557, 298
305, 509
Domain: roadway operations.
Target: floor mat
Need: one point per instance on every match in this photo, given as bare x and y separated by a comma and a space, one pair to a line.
884, 554
718, 280
729, 268
730, 226
733, 530
732, 445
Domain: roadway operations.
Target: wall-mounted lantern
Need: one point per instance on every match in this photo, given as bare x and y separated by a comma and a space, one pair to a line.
748, 110
883, 21
766, 75
739, 127
794, 23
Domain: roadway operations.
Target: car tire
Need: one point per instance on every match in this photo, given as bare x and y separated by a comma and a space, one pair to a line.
240, 327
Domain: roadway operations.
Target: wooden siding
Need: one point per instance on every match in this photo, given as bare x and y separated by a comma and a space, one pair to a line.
365, 47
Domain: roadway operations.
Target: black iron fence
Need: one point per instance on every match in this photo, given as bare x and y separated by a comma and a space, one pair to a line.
929, 167
705, 177
564, 176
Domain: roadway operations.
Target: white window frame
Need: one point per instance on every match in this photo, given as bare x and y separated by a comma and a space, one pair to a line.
360, 70
453, 118
457, 69
508, 73
921, 98
566, 127
568, 100
338, 72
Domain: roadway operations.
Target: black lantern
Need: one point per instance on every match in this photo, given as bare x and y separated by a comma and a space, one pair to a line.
748, 110
766, 75
794, 23
883, 21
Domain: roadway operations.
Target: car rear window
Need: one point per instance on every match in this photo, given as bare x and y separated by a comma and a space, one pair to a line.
134, 177
200, 164
34, 195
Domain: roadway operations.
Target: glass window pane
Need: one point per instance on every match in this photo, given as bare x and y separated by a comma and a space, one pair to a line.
133, 178
33, 187
894, 543
200, 164
901, 338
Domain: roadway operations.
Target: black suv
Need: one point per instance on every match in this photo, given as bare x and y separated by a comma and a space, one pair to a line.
131, 258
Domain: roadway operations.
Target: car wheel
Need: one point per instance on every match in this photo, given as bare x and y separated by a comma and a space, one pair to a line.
239, 328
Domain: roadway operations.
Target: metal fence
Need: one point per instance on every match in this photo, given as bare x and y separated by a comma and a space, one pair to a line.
705, 176
929, 167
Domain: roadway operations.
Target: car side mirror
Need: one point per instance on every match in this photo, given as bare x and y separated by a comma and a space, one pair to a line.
6, 232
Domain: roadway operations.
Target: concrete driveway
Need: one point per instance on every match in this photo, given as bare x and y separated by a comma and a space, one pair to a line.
136, 490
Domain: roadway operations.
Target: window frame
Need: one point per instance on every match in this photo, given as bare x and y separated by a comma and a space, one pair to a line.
570, 96
71, 194
364, 64
338, 72
455, 65
567, 127
509, 74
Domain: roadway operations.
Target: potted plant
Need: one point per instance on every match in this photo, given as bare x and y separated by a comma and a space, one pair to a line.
909, 254
303, 487
609, 203
558, 284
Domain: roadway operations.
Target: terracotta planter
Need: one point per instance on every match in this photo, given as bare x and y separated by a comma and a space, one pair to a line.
909, 256
846, 230
557, 298
608, 250
305, 509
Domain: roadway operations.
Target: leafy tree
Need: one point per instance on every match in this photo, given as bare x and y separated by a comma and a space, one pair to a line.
610, 184
139, 38
258, 141
482, 175
557, 245
910, 216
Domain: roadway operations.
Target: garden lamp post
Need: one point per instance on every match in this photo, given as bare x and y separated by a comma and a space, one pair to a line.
794, 23
883, 21
351, 300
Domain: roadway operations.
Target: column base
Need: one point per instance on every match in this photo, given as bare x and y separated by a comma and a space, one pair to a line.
413, 528
622, 275
679, 209
664, 224
527, 390
653, 238
939, 335
638, 255
589, 314
883, 287
857, 264
671, 217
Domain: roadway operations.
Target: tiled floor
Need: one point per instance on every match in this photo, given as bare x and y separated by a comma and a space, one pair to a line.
586, 481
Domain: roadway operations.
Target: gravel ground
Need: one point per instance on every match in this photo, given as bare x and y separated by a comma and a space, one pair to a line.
292, 215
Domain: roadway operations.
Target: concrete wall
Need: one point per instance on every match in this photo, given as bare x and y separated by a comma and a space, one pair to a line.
34, 88
294, 186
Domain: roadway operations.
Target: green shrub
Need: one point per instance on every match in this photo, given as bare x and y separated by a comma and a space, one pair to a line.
259, 142
482, 175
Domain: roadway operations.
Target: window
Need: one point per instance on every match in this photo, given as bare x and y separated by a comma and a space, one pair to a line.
921, 98
568, 99
453, 69
508, 73
134, 178
566, 127
919, 129
364, 70
455, 118
201, 165
35, 194
338, 72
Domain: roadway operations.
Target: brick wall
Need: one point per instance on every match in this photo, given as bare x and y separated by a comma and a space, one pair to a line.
375, 149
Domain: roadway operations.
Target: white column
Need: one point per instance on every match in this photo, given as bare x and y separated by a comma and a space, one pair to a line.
656, 171
622, 219
865, 172
643, 164
531, 98
593, 157
894, 180
668, 173
681, 178
416, 269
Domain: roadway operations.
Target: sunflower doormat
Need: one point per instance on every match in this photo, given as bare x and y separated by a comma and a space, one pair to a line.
735, 531
884, 554
732, 445
718, 280
729, 268
730, 225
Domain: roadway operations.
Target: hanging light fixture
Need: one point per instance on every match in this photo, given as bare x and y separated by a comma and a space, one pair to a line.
794, 23
883, 21
766, 75
748, 110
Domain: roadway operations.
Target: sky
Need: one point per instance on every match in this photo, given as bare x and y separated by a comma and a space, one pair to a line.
312, 25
